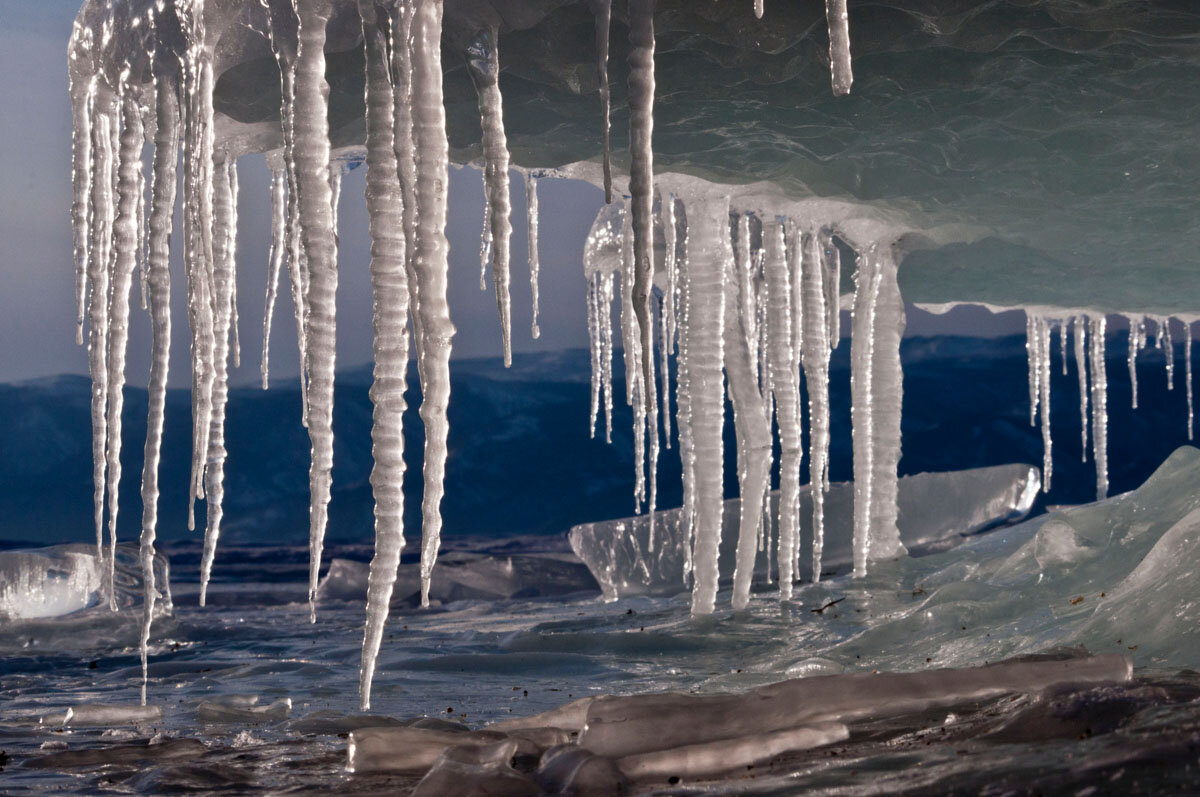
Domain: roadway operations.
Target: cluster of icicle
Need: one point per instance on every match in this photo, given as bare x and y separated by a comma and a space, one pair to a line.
151, 77
1089, 354
749, 305
145, 73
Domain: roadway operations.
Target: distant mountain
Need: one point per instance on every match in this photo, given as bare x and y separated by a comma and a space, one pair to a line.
521, 460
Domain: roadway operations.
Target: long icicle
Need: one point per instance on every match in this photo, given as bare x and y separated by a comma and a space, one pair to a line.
781, 362
126, 245
1168, 347
162, 204
224, 278
1044, 401
101, 229
83, 96
431, 266
1080, 324
406, 157
1135, 343
531, 227
1031, 358
862, 342
275, 258
641, 193
389, 284
483, 61
1099, 406
814, 351
1187, 371
888, 386
604, 317
320, 249
707, 252
594, 348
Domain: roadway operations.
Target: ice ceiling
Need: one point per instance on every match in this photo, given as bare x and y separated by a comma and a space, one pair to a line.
1061, 132
1012, 153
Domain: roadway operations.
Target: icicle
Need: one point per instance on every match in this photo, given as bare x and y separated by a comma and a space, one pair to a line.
320, 250
839, 46
781, 363
1187, 372
1168, 347
162, 190
707, 252
283, 32
484, 66
198, 250
275, 258
224, 278
683, 409
531, 216
83, 98
236, 338
1099, 406
402, 14
665, 369
98, 321
125, 250
1062, 344
1044, 401
485, 241
431, 267
593, 325
832, 263
758, 9
389, 285
862, 341
641, 216
606, 349
603, 12
1080, 324
814, 351
142, 261
1135, 343
671, 266
877, 390
631, 353
1032, 348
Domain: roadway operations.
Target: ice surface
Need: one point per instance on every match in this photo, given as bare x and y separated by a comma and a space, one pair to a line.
101, 714
59, 580
405, 749
216, 711
934, 508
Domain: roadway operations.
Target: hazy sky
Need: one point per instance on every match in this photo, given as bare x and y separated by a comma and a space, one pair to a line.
36, 269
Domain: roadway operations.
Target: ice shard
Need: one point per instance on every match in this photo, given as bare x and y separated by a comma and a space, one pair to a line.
483, 62
1044, 401
814, 351
275, 258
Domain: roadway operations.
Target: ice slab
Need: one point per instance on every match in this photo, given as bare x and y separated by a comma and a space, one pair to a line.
477, 771
403, 749
462, 575
727, 755
101, 714
224, 711
578, 772
40, 583
934, 510
640, 724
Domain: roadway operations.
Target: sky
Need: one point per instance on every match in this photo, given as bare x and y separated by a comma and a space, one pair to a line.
37, 335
